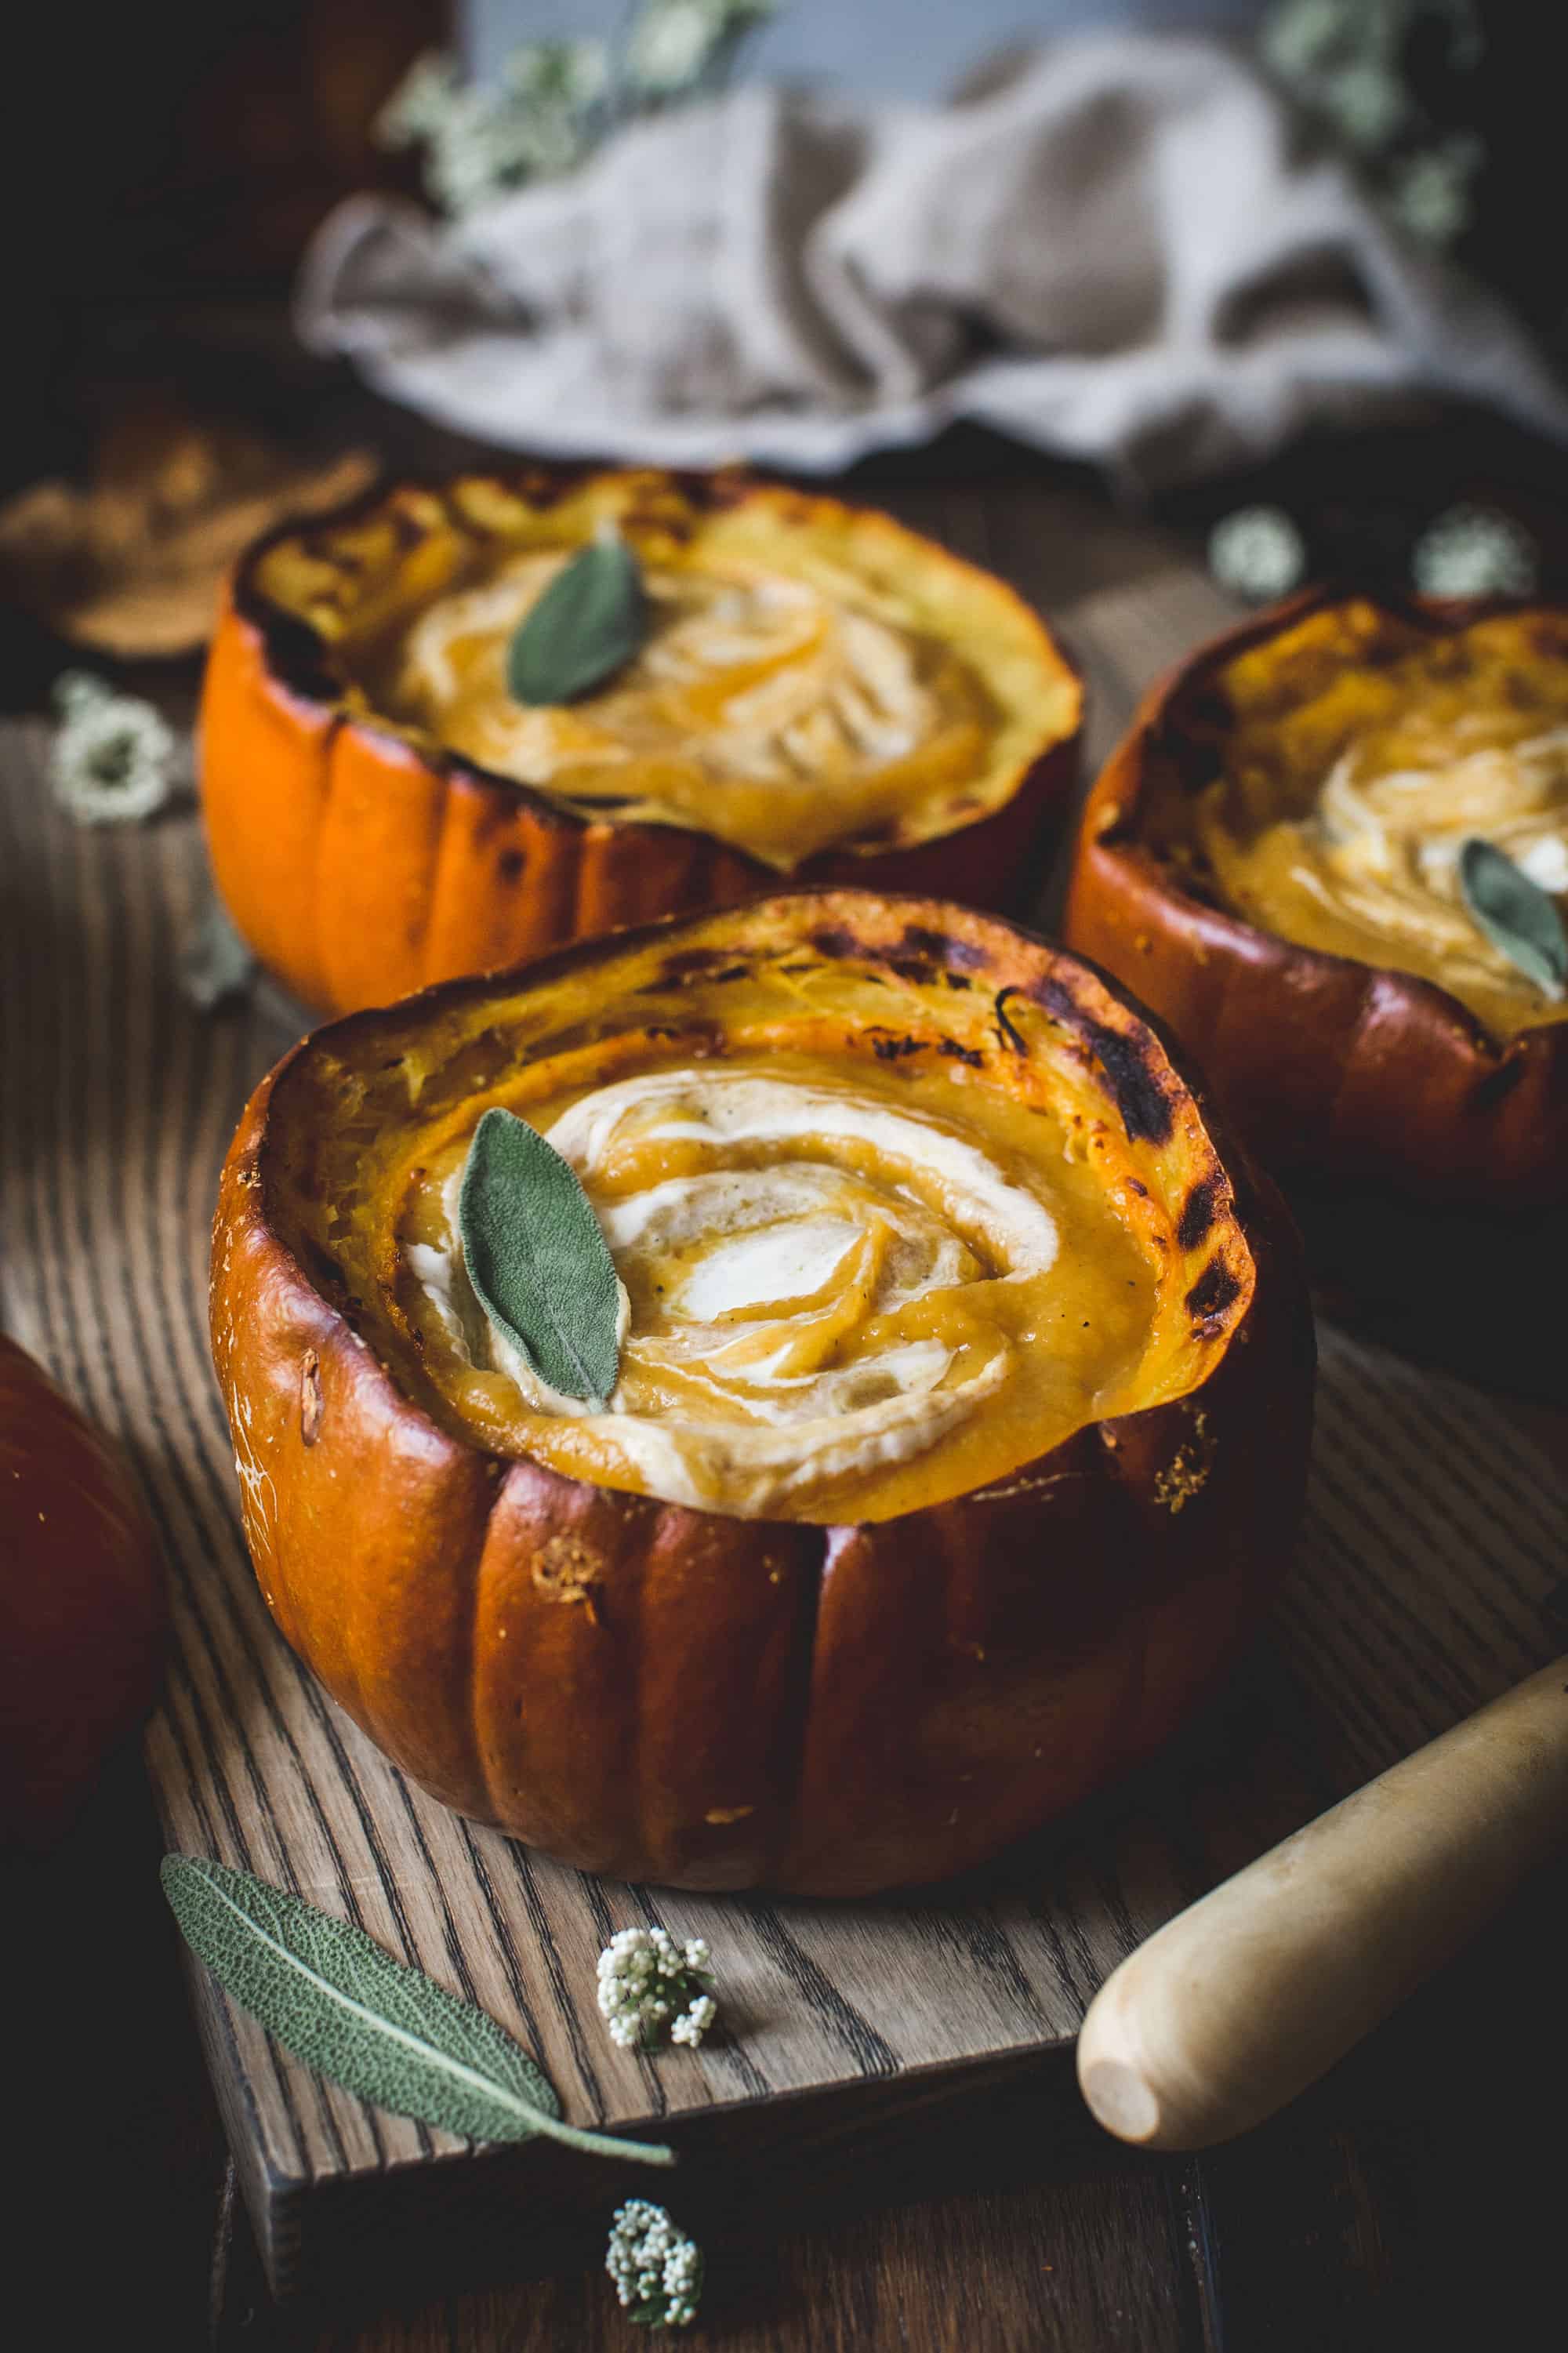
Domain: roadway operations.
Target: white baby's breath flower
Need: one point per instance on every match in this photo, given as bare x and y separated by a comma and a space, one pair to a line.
1474, 552
420, 106
657, 2274
114, 759
481, 143
1430, 192
652, 1990
1300, 36
76, 690
470, 164
1257, 554
696, 2022
553, 101
675, 45
1352, 63
1367, 104
570, 73
484, 150
669, 45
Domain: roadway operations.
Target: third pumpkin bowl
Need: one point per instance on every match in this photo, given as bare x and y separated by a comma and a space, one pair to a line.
812, 692
1270, 860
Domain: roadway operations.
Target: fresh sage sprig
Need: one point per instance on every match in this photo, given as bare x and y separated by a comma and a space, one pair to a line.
337, 2000
538, 1261
1522, 921
589, 623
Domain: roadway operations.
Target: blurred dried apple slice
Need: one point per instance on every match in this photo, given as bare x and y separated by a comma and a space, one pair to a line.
133, 565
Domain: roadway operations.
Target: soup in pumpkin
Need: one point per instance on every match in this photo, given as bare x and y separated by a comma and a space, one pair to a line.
1359, 753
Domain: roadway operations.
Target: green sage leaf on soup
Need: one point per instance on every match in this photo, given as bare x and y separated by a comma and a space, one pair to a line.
335, 1998
1522, 921
589, 623
538, 1258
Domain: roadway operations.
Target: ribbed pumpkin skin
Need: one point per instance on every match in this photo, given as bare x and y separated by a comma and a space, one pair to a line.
83, 1610
359, 870
667, 1694
1329, 1067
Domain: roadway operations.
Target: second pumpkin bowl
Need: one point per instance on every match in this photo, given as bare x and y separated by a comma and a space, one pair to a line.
823, 696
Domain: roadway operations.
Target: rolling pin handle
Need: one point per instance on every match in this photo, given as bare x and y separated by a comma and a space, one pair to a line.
1252, 1993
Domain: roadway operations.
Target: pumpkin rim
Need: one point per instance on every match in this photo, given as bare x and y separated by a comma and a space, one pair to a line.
1255, 1209
1114, 833
294, 652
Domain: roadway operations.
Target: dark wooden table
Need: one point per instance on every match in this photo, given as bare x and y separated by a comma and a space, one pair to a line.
1412, 2199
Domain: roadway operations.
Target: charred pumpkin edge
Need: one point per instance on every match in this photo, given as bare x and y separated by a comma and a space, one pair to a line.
294, 663
1109, 841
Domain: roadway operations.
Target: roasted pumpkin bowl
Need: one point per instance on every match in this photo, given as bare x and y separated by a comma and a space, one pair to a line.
959, 1426
820, 695
1270, 860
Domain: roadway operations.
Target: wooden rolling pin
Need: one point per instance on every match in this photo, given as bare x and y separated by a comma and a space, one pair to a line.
1250, 1995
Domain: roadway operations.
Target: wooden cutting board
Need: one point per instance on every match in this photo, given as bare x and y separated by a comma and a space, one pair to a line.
1428, 1579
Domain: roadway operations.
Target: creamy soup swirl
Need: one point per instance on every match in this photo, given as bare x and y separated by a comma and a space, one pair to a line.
1343, 808
769, 711
821, 1282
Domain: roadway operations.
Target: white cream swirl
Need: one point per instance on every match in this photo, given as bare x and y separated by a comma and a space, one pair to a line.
1390, 843
807, 1269
762, 707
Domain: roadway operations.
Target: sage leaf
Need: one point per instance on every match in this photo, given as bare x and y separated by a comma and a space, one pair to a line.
1522, 921
337, 2000
589, 623
538, 1261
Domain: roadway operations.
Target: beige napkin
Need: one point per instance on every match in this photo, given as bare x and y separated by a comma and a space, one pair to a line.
1111, 250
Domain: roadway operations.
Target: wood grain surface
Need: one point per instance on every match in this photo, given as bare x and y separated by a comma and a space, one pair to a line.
1428, 1576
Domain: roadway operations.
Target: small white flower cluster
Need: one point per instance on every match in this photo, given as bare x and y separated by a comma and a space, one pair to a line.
1429, 194
1474, 552
1347, 63
651, 1988
657, 2274
554, 100
114, 759
481, 144
676, 47
1257, 554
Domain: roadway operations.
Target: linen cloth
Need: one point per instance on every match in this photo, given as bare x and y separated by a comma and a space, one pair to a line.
1110, 249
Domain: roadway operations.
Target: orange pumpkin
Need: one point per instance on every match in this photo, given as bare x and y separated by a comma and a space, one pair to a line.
83, 1613
1340, 1068
825, 696
696, 1692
